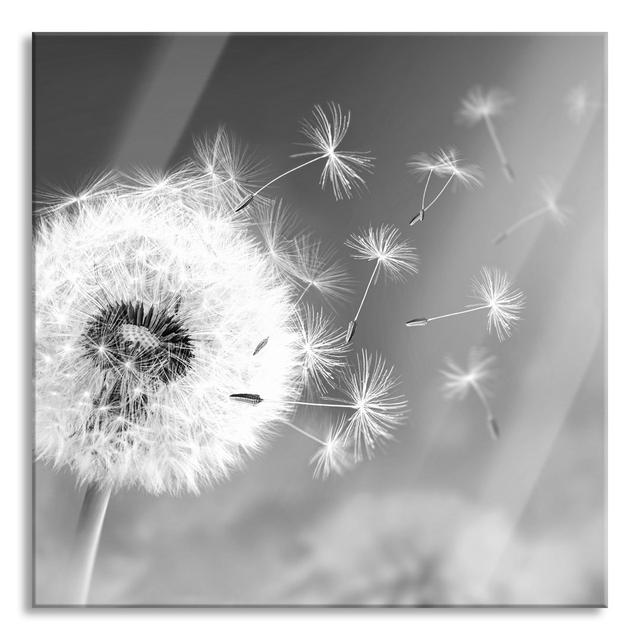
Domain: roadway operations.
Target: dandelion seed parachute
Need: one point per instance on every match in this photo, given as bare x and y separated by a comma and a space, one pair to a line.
445, 164
394, 257
342, 169
494, 290
334, 455
323, 349
550, 207
149, 303
371, 387
495, 293
476, 377
479, 105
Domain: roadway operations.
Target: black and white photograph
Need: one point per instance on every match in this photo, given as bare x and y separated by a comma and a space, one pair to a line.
319, 319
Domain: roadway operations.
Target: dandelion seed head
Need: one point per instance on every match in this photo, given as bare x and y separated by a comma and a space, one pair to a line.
334, 456
478, 373
478, 104
148, 308
494, 289
323, 349
371, 387
343, 170
397, 258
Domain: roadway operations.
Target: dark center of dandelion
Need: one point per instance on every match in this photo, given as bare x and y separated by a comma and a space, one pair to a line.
138, 350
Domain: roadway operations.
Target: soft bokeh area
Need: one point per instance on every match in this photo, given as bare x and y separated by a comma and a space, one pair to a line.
446, 515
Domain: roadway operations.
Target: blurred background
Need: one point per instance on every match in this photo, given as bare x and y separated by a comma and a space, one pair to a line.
445, 516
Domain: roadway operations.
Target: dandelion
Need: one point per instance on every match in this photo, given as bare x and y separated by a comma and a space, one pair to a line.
393, 257
477, 106
342, 169
148, 300
444, 163
579, 104
141, 331
376, 408
475, 377
496, 295
550, 207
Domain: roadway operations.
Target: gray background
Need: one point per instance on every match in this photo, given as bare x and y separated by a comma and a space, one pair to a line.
445, 516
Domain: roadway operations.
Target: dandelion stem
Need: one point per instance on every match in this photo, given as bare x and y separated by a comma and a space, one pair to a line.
302, 295
439, 194
516, 225
286, 173
501, 154
458, 313
308, 435
426, 186
94, 507
366, 291
320, 404
492, 423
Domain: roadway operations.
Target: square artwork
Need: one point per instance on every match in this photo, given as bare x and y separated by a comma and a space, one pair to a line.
319, 320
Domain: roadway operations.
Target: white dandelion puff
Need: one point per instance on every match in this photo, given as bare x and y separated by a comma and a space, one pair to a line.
476, 377
478, 105
444, 164
394, 257
323, 349
342, 169
497, 296
143, 330
550, 207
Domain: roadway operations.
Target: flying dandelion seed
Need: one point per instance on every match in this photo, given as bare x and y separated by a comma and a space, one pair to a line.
477, 106
229, 167
475, 377
579, 104
370, 395
395, 258
301, 259
550, 207
444, 164
279, 228
323, 349
334, 455
342, 169
318, 268
496, 295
